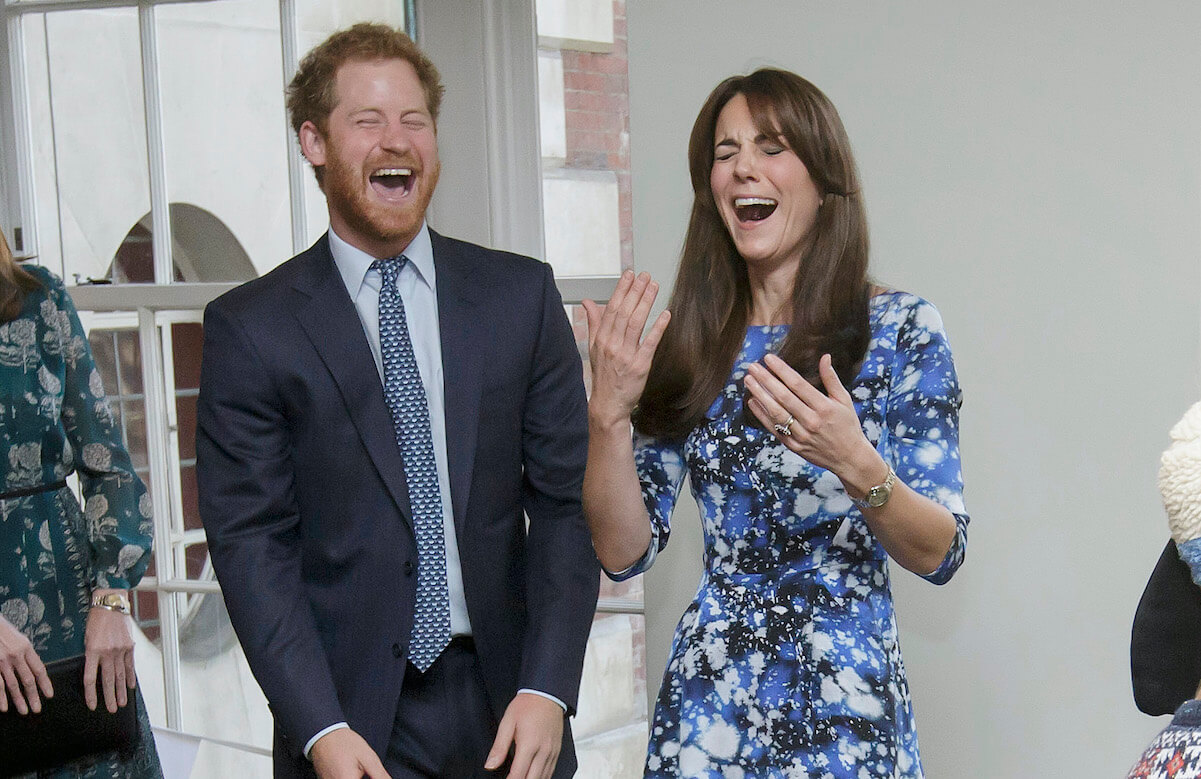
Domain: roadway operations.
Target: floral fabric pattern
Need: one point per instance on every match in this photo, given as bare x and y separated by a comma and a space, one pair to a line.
787, 663
1176, 751
55, 420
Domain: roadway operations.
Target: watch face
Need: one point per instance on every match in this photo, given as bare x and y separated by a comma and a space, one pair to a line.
878, 496
114, 601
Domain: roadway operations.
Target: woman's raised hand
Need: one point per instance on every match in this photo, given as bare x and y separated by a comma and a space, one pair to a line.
824, 429
619, 354
23, 672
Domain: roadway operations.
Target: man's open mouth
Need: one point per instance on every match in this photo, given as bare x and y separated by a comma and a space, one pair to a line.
754, 209
395, 182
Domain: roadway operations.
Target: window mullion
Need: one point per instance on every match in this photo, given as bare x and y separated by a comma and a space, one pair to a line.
160, 214
19, 146
289, 49
170, 428
164, 525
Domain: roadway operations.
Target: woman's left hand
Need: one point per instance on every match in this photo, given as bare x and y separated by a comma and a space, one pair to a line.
824, 429
109, 658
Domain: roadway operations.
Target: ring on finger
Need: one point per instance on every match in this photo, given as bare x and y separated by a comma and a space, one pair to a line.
786, 428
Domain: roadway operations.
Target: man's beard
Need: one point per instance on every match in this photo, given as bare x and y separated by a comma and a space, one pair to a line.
345, 193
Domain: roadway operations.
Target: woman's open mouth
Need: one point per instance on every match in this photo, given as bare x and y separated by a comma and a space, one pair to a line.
754, 209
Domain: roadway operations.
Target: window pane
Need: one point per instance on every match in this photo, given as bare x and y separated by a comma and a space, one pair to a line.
220, 762
89, 140
611, 726
145, 608
104, 350
585, 130
129, 368
628, 592
133, 413
220, 697
220, 69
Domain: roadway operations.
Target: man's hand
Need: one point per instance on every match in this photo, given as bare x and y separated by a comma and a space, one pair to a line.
533, 726
21, 672
343, 754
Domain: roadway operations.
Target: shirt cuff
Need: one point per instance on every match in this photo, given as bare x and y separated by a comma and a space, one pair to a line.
309, 746
546, 695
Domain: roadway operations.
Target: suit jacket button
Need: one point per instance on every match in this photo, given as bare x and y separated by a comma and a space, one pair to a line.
408, 567
397, 650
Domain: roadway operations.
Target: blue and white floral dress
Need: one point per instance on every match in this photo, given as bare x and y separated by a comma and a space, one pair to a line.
787, 663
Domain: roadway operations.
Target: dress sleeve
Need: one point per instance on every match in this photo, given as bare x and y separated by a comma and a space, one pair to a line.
923, 423
661, 471
117, 509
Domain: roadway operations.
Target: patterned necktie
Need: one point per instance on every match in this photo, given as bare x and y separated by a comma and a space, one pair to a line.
410, 416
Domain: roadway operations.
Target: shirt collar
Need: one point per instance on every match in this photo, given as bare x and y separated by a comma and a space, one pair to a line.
353, 263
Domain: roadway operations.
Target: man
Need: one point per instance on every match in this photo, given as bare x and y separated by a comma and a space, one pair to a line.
378, 417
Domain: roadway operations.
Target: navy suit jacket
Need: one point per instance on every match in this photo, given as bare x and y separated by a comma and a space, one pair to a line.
303, 496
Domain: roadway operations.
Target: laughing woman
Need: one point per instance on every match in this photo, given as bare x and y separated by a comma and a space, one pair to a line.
817, 415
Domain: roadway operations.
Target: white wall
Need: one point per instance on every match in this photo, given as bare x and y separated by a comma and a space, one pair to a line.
1033, 169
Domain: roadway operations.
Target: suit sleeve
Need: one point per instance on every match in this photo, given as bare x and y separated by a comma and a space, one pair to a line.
250, 516
562, 573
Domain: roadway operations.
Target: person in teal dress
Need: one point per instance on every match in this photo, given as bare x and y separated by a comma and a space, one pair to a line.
816, 414
65, 573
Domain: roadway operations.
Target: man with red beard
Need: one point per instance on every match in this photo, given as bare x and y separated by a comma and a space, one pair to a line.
378, 418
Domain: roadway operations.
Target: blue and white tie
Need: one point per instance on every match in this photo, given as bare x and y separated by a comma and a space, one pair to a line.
406, 399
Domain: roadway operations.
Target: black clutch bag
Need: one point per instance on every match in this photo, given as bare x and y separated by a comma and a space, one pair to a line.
65, 730
1165, 642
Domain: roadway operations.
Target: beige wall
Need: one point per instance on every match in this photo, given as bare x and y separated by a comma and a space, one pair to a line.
1034, 170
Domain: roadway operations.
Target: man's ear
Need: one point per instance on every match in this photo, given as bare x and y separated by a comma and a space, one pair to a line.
312, 144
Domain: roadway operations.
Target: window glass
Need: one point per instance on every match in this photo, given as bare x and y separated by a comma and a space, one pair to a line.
585, 136
221, 81
611, 727
89, 135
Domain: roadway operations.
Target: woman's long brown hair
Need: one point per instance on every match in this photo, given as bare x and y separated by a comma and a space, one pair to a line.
15, 283
711, 301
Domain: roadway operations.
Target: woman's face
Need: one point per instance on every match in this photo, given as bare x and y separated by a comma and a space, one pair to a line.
763, 191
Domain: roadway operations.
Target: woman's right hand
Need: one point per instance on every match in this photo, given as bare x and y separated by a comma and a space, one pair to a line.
23, 671
619, 354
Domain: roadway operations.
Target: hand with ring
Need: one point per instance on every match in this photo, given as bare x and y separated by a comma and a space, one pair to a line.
824, 429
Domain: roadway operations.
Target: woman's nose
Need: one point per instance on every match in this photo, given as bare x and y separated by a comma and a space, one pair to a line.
744, 165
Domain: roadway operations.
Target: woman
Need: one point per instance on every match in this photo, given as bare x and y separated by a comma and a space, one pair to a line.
1176, 752
817, 416
64, 574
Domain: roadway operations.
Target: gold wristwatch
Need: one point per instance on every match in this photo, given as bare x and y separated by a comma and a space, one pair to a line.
877, 496
113, 601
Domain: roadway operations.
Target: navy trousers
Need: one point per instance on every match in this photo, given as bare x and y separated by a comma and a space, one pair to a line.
443, 727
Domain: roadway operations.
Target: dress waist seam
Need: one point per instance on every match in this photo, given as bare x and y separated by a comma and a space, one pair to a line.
27, 491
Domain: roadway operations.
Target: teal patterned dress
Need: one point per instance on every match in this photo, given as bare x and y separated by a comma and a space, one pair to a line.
55, 420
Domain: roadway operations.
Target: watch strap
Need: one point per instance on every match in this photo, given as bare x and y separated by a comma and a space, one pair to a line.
884, 487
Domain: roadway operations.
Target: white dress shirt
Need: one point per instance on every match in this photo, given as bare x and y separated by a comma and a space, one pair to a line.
419, 292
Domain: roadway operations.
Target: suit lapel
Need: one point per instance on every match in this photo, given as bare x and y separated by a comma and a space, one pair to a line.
464, 337
332, 324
